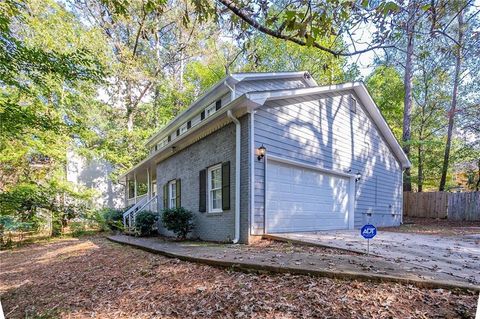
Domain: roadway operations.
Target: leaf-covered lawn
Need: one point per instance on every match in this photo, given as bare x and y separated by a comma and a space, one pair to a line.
92, 277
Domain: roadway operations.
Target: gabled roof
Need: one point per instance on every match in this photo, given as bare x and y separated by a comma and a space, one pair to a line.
251, 100
223, 87
260, 98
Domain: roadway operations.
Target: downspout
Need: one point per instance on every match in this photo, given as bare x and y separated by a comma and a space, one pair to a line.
237, 175
232, 96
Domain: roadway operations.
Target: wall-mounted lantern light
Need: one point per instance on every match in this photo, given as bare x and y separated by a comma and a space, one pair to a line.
261, 152
358, 176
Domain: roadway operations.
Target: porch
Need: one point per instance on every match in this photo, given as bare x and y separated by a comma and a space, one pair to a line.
140, 193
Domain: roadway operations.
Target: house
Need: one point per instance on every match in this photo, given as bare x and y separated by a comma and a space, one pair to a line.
94, 174
270, 153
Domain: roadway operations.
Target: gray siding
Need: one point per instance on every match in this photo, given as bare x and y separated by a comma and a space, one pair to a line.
321, 130
265, 85
186, 164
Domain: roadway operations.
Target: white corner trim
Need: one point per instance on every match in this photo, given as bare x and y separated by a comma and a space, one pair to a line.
252, 172
378, 118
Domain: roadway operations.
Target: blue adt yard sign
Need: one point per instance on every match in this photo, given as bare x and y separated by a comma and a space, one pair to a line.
368, 232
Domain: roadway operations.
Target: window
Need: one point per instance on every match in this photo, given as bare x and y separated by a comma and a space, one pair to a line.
172, 194
214, 181
183, 128
353, 104
210, 110
196, 120
131, 189
162, 143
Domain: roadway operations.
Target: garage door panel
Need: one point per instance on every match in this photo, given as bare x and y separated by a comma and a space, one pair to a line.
302, 199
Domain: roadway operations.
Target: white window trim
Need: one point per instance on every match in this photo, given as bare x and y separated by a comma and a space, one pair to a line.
208, 110
162, 143
183, 128
209, 189
171, 186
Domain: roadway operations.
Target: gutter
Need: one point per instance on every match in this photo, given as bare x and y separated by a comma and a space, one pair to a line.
237, 175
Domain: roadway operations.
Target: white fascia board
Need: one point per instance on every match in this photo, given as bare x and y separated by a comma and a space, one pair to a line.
240, 102
218, 89
259, 98
275, 75
382, 124
222, 87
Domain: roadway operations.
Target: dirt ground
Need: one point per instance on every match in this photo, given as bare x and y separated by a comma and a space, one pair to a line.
92, 277
430, 226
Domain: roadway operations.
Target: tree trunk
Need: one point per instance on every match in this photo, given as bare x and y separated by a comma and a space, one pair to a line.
129, 106
129, 119
453, 108
407, 111
477, 186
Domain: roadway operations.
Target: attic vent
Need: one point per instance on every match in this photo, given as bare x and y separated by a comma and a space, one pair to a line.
352, 104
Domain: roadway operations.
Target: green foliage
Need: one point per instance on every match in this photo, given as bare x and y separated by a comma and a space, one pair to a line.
110, 219
267, 54
145, 222
385, 84
179, 221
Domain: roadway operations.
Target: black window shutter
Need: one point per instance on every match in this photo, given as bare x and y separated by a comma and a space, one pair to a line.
178, 200
189, 125
202, 115
218, 105
178, 132
226, 186
202, 203
169, 138
165, 196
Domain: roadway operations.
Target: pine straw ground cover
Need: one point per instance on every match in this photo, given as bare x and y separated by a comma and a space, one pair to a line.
92, 277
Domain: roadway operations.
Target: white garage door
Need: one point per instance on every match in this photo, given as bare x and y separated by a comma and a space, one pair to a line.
303, 199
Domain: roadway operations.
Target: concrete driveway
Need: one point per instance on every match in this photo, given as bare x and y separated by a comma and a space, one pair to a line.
458, 256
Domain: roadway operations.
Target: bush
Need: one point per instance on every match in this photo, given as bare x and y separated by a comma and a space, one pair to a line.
178, 220
107, 219
113, 218
144, 222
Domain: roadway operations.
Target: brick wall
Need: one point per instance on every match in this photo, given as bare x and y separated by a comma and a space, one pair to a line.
186, 164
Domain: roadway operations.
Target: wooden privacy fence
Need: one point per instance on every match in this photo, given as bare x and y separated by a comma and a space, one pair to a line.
454, 206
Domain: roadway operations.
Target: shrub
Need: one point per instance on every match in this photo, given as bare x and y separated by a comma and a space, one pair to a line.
107, 219
144, 222
178, 220
113, 218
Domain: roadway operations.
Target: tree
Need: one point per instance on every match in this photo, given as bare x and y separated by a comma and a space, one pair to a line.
385, 84
42, 84
310, 23
267, 54
453, 108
